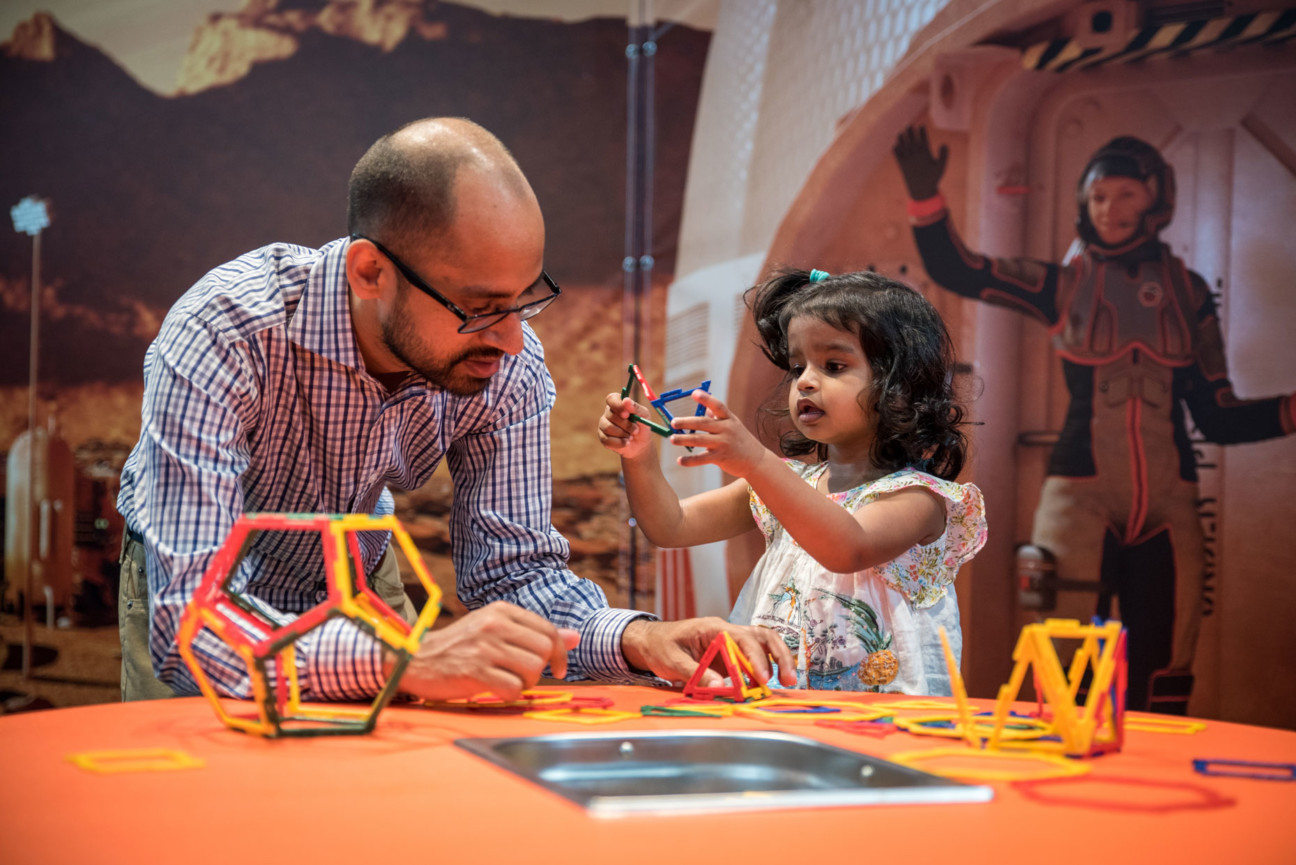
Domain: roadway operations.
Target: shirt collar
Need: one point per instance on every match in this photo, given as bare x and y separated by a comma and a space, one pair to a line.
322, 320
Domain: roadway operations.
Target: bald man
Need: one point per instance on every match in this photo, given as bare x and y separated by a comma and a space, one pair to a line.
303, 380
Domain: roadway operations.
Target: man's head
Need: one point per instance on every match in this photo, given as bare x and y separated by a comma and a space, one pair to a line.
1125, 196
443, 201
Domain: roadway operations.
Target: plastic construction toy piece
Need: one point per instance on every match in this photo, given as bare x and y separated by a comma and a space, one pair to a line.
266, 642
966, 725
878, 729
917, 705
954, 727
560, 700
723, 709
1246, 769
487, 701
659, 402
636, 375
135, 760
582, 716
1047, 765
1094, 728
1175, 795
680, 393
1097, 727
679, 712
742, 687
783, 709
1165, 725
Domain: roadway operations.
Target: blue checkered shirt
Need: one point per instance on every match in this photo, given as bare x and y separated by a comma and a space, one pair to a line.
256, 400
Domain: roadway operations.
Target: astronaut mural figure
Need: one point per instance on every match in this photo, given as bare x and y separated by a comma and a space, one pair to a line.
1139, 340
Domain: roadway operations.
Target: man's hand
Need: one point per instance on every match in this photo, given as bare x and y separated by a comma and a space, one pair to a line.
630, 439
922, 171
500, 648
672, 649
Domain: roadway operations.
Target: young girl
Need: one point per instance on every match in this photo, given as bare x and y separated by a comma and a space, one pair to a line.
863, 541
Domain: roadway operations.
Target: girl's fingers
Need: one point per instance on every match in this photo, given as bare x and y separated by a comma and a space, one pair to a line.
618, 432
712, 402
700, 423
705, 441
699, 456
624, 406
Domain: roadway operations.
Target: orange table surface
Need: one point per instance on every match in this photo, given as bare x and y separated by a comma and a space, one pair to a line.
405, 793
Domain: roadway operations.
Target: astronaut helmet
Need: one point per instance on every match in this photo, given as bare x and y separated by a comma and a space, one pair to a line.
1127, 156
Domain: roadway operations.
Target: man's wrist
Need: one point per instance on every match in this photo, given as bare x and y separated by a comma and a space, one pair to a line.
632, 646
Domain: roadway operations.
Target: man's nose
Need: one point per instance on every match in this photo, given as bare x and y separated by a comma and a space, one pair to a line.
506, 335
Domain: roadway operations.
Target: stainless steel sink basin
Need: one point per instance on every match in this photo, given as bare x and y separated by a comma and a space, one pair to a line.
612, 774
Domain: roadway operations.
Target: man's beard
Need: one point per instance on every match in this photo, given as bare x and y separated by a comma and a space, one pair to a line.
400, 338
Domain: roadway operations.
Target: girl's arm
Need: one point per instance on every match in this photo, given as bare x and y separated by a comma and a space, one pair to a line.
715, 515
840, 541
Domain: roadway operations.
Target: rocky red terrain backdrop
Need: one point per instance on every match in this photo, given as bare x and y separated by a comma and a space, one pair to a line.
275, 105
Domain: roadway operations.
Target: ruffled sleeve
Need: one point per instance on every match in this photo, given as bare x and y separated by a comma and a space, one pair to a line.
923, 573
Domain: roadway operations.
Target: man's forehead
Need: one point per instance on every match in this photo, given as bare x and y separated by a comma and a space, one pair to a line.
479, 291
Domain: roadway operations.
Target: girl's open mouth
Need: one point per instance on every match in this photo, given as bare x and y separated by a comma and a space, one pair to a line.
808, 412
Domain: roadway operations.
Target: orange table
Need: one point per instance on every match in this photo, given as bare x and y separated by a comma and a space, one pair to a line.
406, 794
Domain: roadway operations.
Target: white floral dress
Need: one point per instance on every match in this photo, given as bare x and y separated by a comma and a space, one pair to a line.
875, 630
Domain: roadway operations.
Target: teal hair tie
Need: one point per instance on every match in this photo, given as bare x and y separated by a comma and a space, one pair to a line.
819, 275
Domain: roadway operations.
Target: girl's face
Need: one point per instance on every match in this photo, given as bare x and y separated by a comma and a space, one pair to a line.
1116, 207
829, 374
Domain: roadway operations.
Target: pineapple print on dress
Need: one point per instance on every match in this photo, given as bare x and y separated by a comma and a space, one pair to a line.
881, 666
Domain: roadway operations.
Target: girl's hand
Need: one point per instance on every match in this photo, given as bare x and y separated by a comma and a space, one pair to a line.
723, 440
618, 433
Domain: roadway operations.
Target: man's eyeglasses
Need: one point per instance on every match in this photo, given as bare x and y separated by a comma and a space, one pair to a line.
472, 323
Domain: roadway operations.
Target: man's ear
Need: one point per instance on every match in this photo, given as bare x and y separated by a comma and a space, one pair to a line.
363, 269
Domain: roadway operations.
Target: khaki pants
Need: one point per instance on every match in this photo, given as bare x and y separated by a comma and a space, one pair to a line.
137, 679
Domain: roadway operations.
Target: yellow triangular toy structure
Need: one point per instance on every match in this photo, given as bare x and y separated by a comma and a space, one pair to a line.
742, 687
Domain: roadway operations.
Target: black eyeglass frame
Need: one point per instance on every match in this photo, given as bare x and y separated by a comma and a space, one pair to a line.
487, 319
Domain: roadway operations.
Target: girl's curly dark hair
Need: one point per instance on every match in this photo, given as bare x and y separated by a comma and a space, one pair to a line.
919, 418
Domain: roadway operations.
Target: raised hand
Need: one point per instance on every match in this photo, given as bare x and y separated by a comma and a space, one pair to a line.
618, 433
922, 171
718, 438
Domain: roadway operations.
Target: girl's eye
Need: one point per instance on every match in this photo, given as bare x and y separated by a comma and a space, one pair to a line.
796, 369
834, 366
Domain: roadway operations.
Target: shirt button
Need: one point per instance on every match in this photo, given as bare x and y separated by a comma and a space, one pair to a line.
321, 596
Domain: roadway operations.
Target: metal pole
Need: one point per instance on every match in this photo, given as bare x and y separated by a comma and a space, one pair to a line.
31, 455
638, 261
